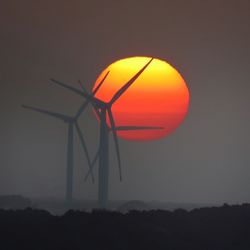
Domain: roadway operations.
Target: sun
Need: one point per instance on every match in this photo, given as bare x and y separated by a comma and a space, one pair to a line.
159, 97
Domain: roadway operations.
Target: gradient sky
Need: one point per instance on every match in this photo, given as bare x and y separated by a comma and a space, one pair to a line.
206, 160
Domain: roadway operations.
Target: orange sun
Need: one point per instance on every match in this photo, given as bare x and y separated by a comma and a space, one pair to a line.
159, 97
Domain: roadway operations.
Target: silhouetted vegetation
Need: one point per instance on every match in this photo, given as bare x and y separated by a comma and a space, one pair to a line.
226, 227
14, 202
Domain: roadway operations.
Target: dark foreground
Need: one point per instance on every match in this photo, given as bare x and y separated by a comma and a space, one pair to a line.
226, 227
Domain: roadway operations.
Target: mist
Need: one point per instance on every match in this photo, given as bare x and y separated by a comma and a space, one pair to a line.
205, 160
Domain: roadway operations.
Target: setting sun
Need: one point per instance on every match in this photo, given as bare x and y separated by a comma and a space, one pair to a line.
159, 97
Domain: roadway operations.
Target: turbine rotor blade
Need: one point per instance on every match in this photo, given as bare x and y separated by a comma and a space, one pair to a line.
75, 90
79, 92
112, 123
85, 104
129, 83
84, 147
83, 88
92, 165
82, 108
95, 91
124, 128
100, 84
47, 112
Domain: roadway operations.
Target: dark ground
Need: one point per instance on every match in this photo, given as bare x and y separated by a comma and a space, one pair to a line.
215, 228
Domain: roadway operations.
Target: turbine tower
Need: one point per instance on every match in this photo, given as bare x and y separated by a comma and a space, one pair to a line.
103, 110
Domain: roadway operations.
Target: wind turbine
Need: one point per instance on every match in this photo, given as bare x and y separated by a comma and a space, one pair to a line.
103, 109
72, 122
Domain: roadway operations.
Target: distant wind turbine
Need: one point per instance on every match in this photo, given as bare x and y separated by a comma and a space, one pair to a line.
72, 123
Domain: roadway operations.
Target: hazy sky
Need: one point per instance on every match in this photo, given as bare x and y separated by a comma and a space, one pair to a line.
207, 159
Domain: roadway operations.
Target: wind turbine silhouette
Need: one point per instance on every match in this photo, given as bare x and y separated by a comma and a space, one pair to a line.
72, 122
103, 109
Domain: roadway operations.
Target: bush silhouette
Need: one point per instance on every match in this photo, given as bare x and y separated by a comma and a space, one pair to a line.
215, 228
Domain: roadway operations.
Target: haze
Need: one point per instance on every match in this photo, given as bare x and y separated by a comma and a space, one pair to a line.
206, 160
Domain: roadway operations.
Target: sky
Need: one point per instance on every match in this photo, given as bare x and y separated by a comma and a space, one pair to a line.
206, 160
